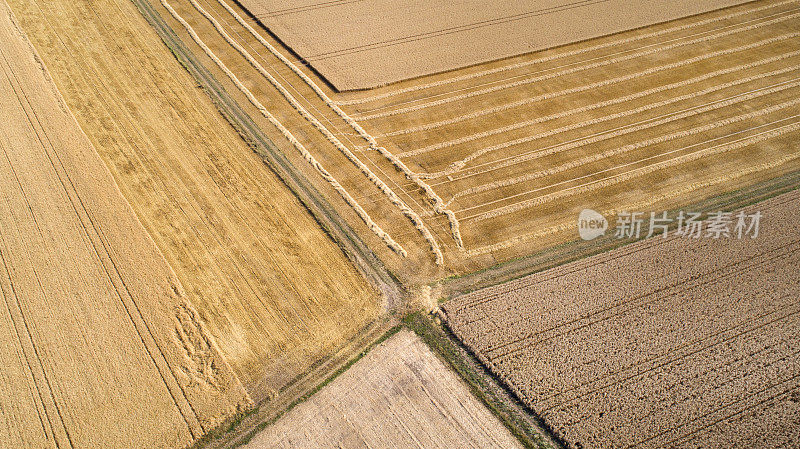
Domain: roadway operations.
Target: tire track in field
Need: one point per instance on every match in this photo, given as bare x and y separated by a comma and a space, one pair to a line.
374, 227
91, 232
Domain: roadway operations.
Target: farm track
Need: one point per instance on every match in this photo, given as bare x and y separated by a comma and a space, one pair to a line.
483, 155
623, 349
270, 285
101, 347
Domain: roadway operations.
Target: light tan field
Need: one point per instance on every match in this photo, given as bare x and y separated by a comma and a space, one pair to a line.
278, 296
668, 342
98, 345
455, 172
399, 395
367, 44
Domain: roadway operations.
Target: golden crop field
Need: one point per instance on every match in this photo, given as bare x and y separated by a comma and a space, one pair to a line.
382, 41
99, 346
355, 223
667, 342
454, 172
399, 395
278, 296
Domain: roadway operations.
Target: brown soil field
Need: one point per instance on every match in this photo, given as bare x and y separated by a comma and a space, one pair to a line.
667, 342
98, 344
367, 44
399, 395
277, 294
455, 172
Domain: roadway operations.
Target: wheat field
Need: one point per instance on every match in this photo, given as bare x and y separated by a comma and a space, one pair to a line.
271, 286
100, 346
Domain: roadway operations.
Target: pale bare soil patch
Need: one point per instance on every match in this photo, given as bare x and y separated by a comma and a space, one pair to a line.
399, 395
277, 294
663, 343
99, 346
471, 168
365, 44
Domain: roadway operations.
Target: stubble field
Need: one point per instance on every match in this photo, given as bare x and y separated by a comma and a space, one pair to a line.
368, 44
99, 346
399, 395
278, 296
451, 173
669, 342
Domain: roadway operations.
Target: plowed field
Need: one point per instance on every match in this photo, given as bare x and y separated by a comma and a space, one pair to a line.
669, 342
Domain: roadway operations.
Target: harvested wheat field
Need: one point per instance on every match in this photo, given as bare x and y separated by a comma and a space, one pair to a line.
668, 342
454, 172
98, 345
276, 293
369, 44
399, 395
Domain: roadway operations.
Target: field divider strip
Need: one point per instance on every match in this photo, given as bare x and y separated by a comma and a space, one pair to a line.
500, 290
374, 227
582, 68
438, 203
470, 76
362, 257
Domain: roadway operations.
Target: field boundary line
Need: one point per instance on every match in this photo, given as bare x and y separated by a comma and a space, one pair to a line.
610, 134
603, 83
520, 283
582, 68
625, 99
399, 203
362, 257
374, 227
438, 204
558, 56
